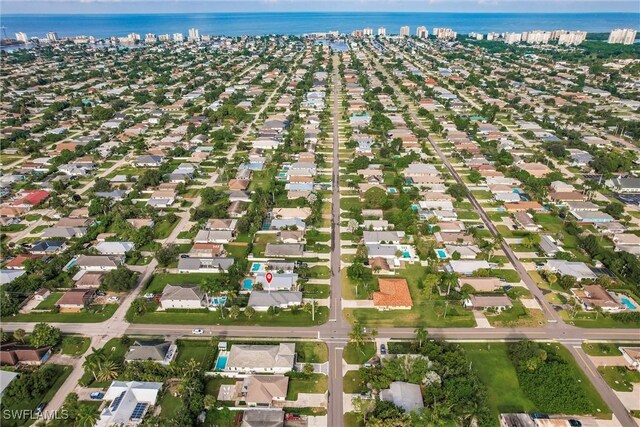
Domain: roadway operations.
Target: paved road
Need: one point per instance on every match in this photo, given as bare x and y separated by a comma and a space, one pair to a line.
336, 321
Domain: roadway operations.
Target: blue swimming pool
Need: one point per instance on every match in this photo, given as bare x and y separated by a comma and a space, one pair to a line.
218, 300
256, 267
406, 254
392, 190
221, 362
627, 302
442, 254
247, 284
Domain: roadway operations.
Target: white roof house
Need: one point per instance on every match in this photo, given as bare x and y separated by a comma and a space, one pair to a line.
275, 359
577, 269
405, 395
129, 402
114, 248
467, 267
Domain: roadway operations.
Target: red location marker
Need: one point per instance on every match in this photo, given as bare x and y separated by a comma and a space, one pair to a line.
269, 277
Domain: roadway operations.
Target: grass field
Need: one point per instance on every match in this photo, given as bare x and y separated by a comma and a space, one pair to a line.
103, 313
316, 383
312, 352
619, 378
358, 356
604, 348
74, 345
353, 382
50, 302
495, 370
199, 350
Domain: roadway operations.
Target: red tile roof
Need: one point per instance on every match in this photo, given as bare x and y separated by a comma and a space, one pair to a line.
393, 293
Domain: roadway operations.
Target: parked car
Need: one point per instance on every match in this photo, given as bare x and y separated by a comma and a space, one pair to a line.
113, 298
291, 417
96, 395
383, 349
197, 332
575, 423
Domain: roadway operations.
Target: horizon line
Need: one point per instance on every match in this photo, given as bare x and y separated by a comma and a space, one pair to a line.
317, 11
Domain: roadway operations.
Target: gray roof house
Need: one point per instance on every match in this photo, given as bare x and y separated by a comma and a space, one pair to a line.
114, 248
405, 395
160, 352
98, 262
284, 250
204, 265
577, 269
284, 281
64, 232
183, 296
213, 236
250, 358
262, 300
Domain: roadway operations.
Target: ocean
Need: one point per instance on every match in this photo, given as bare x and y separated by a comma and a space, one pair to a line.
235, 24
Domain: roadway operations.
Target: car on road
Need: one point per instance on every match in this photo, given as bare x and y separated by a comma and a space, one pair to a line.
575, 423
96, 395
383, 349
197, 331
40, 408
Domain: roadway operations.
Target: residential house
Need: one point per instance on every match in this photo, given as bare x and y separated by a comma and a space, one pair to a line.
183, 296
393, 295
130, 402
263, 300
188, 264
483, 302
595, 296
163, 352
404, 395
579, 270
258, 358
264, 390
76, 299
12, 354
284, 250
480, 284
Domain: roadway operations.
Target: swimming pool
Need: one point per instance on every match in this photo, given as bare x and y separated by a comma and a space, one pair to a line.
216, 301
392, 190
406, 254
221, 362
627, 302
442, 254
247, 284
256, 267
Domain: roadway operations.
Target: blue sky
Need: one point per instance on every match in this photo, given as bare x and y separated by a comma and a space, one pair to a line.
200, 6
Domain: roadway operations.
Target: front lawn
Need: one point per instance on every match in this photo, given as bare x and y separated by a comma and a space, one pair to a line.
96, 314
619, 378
74, 345
604, 348
311, 290
200, 350
50, 302
312, 352
203, 317
314, 383
358, 356
354, 383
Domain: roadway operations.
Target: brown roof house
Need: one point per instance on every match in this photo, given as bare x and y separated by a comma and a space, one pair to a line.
76, 299
12, 354
264, 390
393, 295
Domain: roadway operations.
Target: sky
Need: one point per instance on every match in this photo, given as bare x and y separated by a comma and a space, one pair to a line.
202, 6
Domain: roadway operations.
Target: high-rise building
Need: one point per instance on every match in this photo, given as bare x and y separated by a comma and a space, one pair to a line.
133, 37
178, 37
511, 38
22, 37
623, 35
405, 31
194, 35
150, 38
52, 36
164, 37
422, 32
357, 33
536, 37
569, 38
382, 31
367, 31
444, 33
476, 36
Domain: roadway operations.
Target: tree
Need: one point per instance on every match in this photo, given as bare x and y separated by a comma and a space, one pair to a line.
375, 197
360, 162
107, 370
358, 336
421, 335
363, 407
234, 311
87, 416
45, 335
120, 279
167, 254
307, 369
475, 176
615, 209
249, 312
457, 191
19, 335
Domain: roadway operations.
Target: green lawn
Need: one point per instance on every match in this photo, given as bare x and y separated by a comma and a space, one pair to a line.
353, 419
353, 382
358, 356
212, 385
428, 309
115, 350
62, 372
201, 317
320, 272
102, 313
586, 319
74, 345
312, 352
50, 302
619, 378
170, 405
495, 370
604, 349
315, 291
200, 350
315, 383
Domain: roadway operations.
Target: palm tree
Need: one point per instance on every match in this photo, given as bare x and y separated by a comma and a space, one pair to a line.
421, 335
357, 335
190, 368
87, 416
107, 370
